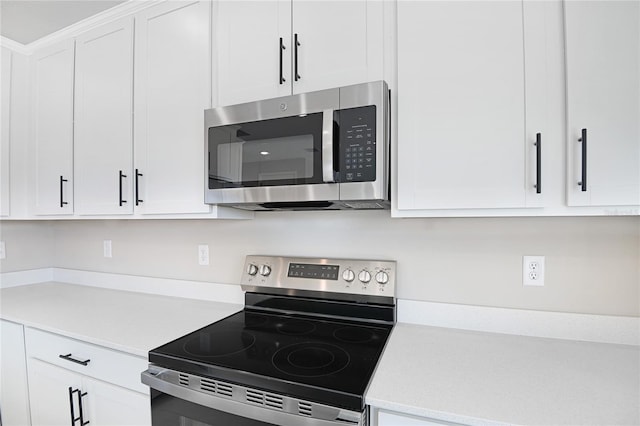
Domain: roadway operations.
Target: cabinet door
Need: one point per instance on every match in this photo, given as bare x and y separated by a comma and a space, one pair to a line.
462, 139
109, 405
173, 88
340, 43
603, 97
52, 106
249, 57
389, 419
14, 397
49, 394
103, 147
5, 134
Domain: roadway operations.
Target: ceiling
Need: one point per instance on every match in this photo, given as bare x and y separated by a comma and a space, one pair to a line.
26, 21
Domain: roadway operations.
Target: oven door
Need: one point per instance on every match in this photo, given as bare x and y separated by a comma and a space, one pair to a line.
276, 150
168, 410
173, 403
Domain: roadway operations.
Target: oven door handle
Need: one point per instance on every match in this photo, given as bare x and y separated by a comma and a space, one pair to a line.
154, 379
327, 146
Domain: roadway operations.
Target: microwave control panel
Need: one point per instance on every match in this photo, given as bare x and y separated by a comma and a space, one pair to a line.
357, 144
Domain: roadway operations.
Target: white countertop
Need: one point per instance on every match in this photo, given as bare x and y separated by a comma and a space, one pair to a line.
126, 321
479, 378
441, 373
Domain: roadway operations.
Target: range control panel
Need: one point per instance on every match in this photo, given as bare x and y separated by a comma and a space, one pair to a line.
351, 276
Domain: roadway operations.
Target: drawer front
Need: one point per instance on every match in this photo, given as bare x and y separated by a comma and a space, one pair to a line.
105, 364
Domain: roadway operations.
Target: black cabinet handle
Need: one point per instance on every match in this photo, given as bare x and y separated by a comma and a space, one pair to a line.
296, 43
282, 48
81, 418
583, 140
68, 357
538, 145
120, 200
138, 200
62, 202
73, 414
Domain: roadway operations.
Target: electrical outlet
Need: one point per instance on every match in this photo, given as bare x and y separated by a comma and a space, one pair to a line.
3, 250
533, 270
106, 248
203, 254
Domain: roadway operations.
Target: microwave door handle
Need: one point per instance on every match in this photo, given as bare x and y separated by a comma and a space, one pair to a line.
327, 146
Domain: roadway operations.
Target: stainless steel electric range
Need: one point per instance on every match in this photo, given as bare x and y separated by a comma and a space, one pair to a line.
301, 352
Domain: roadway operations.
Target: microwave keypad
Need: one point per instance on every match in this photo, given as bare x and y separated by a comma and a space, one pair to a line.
358, 144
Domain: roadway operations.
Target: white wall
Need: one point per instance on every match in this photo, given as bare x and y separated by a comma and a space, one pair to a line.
592, 263
29, 245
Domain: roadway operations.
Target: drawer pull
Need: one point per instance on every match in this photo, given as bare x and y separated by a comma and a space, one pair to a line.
77, 361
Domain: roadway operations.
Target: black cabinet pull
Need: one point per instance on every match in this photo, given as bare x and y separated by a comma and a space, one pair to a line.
138, 200
282, 48
68, 357
120, 200
73, 414
81, 418
62, 202
538, 145
296, 43
583, 140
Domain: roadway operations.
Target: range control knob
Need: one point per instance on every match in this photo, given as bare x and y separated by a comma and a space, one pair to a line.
265, 270
348, 275
382, 277
252, 269
364, 276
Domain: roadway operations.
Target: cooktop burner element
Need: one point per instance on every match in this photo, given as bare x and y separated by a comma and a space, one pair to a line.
311, 359
311, 329
219, 343
295, 327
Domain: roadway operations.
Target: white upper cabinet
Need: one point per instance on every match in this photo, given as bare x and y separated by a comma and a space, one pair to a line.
52, 106
339, 43
172, 90
603, 102
465, 140
252, 50
5, 136
265, 49
103, 120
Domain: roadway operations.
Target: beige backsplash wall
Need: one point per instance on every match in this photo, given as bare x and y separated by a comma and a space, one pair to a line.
592, 264
29, 245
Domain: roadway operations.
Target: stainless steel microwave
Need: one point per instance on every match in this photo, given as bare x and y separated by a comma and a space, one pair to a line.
322, 150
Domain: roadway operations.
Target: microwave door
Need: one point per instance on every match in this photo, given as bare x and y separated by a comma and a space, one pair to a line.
273, 160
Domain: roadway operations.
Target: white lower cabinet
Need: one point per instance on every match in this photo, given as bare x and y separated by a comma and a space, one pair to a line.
14, 395
71, 379
57, 393
384, 418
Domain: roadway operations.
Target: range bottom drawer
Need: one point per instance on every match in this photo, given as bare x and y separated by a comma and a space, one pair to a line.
88, 359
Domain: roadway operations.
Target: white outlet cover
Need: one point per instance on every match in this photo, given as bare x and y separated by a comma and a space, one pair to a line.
533, 271
203, 254
106, 245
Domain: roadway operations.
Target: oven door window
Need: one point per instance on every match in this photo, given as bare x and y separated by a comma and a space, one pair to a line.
281, 151
167, 410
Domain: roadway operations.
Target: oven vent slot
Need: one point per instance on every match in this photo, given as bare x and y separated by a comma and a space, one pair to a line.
305, 408
268, 400
183, 379
219, 388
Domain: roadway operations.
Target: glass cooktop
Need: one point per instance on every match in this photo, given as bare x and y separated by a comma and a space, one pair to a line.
324, 360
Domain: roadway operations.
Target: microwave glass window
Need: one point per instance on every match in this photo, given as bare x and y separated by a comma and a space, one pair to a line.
284, 151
